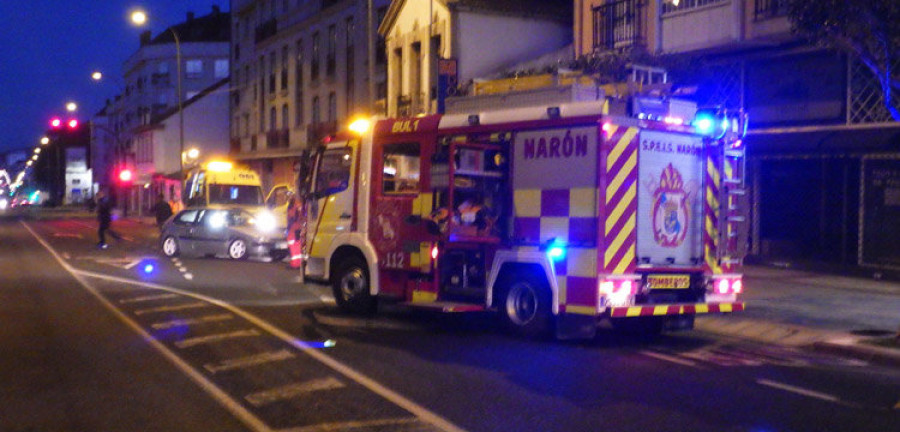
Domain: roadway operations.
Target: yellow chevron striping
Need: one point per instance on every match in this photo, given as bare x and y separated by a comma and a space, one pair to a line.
633, 311
711, 200
725, 307
620, 147
701, 308
713, 173
627, 259
728, 170
660, 310
621, 176
613, 248
581, 310
711, 230
613, 218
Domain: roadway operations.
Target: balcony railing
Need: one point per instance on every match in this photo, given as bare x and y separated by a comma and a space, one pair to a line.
669, 6
618, 24
278, 138
768, 9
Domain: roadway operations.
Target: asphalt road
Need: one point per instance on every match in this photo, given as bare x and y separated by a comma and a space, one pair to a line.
92, 342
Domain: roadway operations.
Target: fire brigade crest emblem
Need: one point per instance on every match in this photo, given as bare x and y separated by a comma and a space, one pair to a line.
671, 207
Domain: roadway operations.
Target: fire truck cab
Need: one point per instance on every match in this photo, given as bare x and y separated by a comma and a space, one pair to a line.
555, 217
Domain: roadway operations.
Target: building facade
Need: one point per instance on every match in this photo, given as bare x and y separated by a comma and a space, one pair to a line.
141, 129
300, 69
480, 39
822, 148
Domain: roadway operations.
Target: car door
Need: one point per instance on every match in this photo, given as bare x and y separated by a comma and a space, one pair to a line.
183, 227
211, 232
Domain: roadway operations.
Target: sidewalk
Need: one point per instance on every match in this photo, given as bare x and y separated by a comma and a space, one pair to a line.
848, 316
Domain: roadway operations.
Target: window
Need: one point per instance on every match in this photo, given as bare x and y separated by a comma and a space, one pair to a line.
332, 107
194, 68
273, 120
284, 67
272, 72
298, 94
314, 61
284, 116
186, 217
163, 68
332, 49
316, 114
235, 194
401, 168
237, 52
333, 174
221, 70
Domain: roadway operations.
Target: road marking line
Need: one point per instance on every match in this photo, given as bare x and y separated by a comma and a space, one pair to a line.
132, 264
668, 358
350, 425
291, 391
182, 269
798, 390
234, 407
66, 256
249, 361
189, 321
188, 276
148, 298
419, 411
194, 305
202, 340
67, 235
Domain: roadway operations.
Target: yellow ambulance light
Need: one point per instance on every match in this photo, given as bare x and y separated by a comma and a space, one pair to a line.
360, 126
219, 166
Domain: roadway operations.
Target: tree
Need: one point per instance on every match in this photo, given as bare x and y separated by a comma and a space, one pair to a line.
866, 29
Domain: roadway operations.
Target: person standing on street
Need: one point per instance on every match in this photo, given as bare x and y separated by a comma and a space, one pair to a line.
296, 232
162, 210
104, 219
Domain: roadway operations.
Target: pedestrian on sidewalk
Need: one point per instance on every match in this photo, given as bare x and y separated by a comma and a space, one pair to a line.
162, 210
104, 219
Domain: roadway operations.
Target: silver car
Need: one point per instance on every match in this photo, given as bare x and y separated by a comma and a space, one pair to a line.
223, 231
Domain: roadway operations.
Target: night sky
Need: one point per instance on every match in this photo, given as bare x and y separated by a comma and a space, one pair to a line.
48, 49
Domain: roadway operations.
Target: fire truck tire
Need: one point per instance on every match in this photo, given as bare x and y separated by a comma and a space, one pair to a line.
525, 307
350, 284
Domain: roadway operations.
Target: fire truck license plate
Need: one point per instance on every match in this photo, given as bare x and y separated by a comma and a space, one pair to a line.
669, 281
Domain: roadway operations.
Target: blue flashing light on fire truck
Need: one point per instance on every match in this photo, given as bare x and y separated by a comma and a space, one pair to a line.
555, 217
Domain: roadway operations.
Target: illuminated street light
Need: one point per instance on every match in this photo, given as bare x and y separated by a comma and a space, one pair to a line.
193, 153
71, 107
29, 163
139, 17
35, 157
96, 76
45, 140
37, 150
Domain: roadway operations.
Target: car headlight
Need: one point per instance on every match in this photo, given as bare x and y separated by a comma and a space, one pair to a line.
265, 222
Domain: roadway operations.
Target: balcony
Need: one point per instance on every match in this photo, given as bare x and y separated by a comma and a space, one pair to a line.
265, 30
696, 25
278, 138
618, 25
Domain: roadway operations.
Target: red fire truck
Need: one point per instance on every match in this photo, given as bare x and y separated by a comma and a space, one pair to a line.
556, 217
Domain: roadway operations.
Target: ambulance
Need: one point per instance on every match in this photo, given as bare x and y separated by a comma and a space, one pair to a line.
557, 218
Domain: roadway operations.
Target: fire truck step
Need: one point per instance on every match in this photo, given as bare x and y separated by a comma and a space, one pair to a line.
445, 306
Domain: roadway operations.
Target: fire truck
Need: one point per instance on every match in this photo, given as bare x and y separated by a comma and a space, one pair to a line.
555, 217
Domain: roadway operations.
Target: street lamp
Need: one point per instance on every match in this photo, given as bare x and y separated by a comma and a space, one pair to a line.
45, 140
139, 18
71, 107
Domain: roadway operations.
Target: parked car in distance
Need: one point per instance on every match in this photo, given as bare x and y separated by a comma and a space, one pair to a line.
234, 232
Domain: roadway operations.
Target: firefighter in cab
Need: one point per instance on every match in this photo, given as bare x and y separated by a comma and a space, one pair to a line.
296, 232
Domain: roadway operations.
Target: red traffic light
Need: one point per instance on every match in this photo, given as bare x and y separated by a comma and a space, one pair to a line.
73, 124
55, 122
125, 175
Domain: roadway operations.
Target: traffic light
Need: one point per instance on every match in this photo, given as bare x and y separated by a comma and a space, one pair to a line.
125, 176
55, 122
73, 123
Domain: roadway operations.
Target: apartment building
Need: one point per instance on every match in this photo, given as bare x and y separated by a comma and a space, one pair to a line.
150, 125
463, 40
300, 70
822, 149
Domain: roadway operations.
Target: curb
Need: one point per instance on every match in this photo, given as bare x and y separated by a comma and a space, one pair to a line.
853, 348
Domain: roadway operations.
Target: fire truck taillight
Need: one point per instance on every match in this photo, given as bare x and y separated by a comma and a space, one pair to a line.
617, 291
728, 286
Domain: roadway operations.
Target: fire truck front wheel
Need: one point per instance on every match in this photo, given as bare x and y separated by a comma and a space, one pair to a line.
525, 306
350, 284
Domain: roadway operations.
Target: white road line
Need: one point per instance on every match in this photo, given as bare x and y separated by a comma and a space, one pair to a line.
419, 411
219, 395
362, 425
798, 390
132, 264
203, 340
194, 305
182, 269
148, 298
66, 256
188, 276
249, 361
668, 358
291, 391
191, 321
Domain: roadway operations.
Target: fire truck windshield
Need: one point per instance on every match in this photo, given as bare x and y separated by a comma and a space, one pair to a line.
235, 194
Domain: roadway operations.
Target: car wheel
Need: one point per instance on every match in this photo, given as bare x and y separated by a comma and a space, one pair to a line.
525, 306
170, 246
237, 249
350, 284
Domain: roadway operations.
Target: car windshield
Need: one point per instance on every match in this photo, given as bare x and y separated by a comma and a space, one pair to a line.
239, 218
235, 194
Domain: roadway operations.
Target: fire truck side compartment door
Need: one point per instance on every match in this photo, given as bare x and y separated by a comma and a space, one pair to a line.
332, 192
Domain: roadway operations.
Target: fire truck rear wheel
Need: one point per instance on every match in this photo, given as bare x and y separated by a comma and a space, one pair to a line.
525, 306
350, 284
